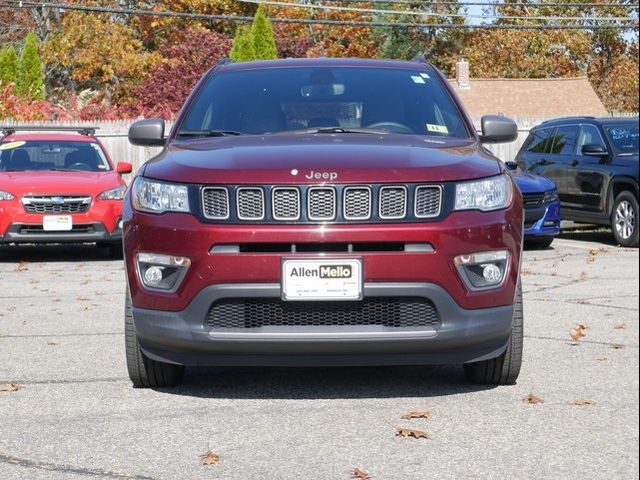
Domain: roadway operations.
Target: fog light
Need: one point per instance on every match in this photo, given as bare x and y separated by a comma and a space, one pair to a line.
161, 272
153, 276
491, 273
483, 269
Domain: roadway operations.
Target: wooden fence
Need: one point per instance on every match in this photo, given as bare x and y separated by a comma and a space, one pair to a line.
113, 135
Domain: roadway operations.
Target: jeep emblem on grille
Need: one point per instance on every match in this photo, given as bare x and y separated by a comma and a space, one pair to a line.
321, 175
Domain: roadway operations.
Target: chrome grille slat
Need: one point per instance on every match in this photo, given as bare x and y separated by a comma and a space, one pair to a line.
427, 201
250, 203
321, 203
215, 203
356, 203
392, 202
285, 203
56, 204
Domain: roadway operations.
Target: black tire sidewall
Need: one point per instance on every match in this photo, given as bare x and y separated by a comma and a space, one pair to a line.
632, 241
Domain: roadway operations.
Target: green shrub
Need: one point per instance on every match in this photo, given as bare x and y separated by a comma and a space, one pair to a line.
8, 65
30, 80
243, 49
264, 42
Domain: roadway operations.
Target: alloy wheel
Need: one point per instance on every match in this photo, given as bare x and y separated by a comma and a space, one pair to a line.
625, 219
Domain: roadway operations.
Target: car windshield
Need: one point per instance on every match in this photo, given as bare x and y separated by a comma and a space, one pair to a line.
624, 137
323, 100
22, 156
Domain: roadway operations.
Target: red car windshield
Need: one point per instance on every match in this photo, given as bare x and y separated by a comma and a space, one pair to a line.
23, 156
275, 100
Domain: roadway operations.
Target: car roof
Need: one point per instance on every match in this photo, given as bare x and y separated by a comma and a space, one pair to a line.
228, 66
48, 137
585, 119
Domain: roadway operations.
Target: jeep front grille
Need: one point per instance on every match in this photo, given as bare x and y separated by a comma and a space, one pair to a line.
254, 313
56, 204
322, 204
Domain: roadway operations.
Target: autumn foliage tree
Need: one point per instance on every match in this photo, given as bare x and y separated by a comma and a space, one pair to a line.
166, 87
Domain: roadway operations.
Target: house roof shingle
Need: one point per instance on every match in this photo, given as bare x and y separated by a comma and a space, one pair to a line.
546, 97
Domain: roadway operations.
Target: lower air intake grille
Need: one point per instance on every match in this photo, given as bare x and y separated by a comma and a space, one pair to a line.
397, 312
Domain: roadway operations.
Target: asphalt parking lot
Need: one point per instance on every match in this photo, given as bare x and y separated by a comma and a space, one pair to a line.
77, 416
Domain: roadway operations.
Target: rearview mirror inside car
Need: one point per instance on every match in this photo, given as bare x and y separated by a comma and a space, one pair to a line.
124, 167
594, 150
498, 129
147, 133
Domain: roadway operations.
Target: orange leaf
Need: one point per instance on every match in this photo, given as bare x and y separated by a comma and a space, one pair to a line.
578, 332
11, 387
22, 266
620, 326
408, 432
532, 399
411, 415
581, 403
210, 458
602, 358
358, 474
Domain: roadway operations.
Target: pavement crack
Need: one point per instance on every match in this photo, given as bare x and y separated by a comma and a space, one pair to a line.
63, 381
593, 342
53, 467
56, 335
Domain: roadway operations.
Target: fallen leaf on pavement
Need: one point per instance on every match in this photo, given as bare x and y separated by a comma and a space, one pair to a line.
581, 403
358, 474
620, 326
578, 332
532, 399
602, 358
22, 266
210, 458
408, 432
617, 346
411, 415
11, 387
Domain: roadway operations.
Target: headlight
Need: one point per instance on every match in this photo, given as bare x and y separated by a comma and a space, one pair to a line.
6, 195
488, 194
159, 197
550, 196
113, 194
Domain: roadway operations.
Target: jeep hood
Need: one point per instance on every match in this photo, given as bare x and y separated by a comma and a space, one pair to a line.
295, 158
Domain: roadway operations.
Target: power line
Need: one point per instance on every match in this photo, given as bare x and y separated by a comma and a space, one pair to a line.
314, 6
303, 21
495, 4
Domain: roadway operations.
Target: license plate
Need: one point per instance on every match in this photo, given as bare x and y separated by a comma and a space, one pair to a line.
57, 223
327, 279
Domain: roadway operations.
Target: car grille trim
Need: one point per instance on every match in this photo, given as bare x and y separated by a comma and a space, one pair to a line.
322, 203
44, 204
251, 314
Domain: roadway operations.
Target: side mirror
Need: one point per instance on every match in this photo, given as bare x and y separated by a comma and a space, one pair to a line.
594, 150
147, 133
124, 167
513, 166
497, 129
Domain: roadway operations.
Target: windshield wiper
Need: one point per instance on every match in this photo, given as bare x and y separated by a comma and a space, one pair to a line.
370, 131
207, 133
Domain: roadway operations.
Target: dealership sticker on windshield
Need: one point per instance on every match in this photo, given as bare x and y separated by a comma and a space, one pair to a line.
324, 279
417, 79
11, 145
437, 128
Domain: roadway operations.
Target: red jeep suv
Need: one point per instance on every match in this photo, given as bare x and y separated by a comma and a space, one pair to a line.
57, 187
323, 212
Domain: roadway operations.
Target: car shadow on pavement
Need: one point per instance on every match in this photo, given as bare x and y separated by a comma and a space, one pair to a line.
325, 383
605, 237
53, 253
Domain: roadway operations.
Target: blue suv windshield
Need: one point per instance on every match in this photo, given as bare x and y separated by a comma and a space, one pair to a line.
323, 99
624, 137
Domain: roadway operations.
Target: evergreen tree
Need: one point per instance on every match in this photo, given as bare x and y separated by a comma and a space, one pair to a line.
243, 49
30, 81
8, 65
264, 42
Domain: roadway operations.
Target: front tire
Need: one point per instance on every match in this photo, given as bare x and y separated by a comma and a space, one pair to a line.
143, 371
624, 219
502, 370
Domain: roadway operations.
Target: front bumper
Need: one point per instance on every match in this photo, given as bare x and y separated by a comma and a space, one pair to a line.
462, 335
543, 221
82, 232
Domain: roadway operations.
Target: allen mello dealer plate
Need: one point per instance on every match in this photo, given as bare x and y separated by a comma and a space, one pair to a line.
57, 223
324, 279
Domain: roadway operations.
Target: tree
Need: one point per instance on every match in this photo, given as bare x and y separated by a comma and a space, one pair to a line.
262, 36
30, 80
166, 87
8, 65
243, 49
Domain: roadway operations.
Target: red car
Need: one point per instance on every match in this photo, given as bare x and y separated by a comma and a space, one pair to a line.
59, 187
323, 212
